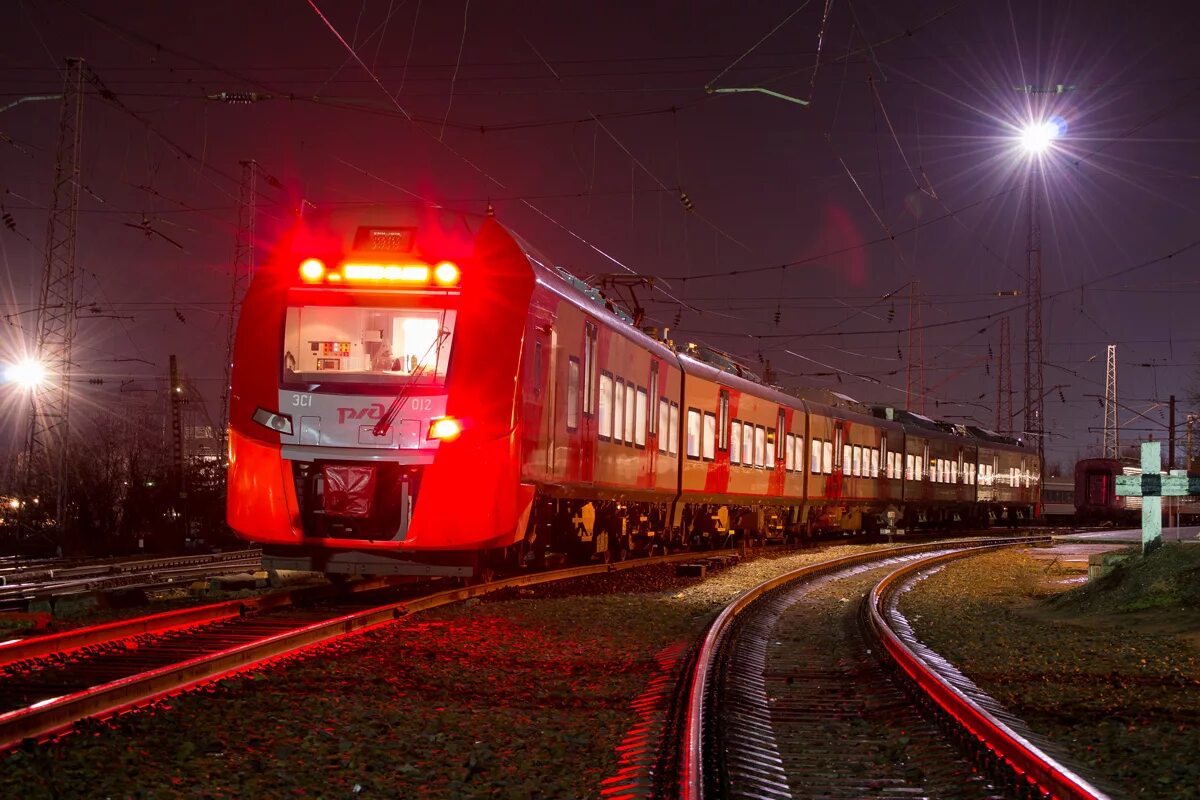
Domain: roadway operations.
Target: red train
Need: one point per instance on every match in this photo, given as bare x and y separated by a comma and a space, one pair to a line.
416, 391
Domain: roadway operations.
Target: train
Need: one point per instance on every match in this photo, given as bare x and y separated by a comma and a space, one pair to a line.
420, 391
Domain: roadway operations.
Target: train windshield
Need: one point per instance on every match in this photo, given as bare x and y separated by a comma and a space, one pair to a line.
340, 344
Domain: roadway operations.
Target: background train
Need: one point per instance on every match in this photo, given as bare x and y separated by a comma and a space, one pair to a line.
1089, 497
416, 391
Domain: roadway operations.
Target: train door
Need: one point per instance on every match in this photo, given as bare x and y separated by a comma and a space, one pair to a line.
546, 343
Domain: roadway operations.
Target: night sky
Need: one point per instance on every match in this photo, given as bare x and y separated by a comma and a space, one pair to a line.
582, 123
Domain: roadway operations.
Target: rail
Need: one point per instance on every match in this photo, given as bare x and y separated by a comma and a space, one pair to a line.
51, 718
692, 751
1005, 746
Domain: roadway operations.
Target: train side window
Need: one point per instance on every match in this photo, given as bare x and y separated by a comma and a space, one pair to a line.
827, 457
874, 462
630, 413
664, 424
789, 452
618, 432
954, 472
723, 420
815, 466
760, 446
735, 442
654, 419
856, 461
572, 393
920, 468
800, 454
639, 431
847, 459
693, 433
909, 466
771, 454
589, 368
673, 430
710, 436
604, 407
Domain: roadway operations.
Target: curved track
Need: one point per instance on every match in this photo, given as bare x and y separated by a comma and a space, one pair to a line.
789, 698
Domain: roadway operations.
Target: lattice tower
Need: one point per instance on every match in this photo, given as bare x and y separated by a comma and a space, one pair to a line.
1034, 393
1112, 431
243, 271
46, 445
914, 385
1004, 389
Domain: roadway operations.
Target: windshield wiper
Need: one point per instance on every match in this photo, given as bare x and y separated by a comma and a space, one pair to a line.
385, 422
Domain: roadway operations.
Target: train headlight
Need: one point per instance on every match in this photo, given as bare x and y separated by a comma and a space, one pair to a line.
312, 270
446, 274
273, 420
444, 428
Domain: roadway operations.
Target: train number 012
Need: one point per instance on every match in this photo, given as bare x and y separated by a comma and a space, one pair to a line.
421, 404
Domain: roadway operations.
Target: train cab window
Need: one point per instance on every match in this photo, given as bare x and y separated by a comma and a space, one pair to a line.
710, 435
789, 452
815, 466
693, 433
747, 444
618, 431
639, 430
673, 430
760, 446
723, 420
735, 442
604, 417
664, 424
827, 457
589, 368
572, 393
350, 344
630, 413
654, 419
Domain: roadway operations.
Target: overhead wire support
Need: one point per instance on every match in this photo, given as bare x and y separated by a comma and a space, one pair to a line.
49, 425
1004, 390
1112, 430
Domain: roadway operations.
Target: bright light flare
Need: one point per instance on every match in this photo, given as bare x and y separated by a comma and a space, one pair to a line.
1038, 137
28, 374
312, 270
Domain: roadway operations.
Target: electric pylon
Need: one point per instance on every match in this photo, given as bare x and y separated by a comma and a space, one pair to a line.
46, 445
1112, 433
1004, 390
1034, 395
914, 386
243, 271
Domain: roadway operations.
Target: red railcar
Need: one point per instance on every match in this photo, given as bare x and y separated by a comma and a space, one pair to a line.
416, 391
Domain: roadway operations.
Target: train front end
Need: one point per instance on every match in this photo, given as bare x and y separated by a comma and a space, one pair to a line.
372, 424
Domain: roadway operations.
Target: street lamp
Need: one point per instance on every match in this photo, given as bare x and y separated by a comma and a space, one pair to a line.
1037, 138
28, 374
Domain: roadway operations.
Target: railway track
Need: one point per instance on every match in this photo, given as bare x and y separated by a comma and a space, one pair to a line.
788, 697
47, 685
52, 581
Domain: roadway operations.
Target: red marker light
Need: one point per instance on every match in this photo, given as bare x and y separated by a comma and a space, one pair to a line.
312, 270
444, 428
446, 273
